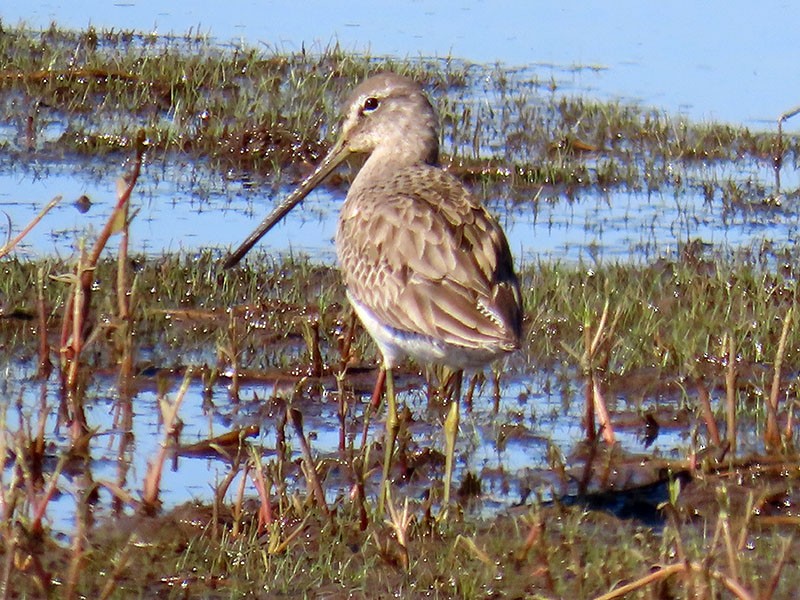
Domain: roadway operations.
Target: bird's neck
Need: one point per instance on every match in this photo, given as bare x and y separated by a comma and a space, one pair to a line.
387, 160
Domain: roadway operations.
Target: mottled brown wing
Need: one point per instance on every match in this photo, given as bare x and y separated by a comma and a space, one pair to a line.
427, 258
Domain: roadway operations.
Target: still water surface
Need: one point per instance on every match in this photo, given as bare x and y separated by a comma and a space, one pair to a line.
731, 61
734, 63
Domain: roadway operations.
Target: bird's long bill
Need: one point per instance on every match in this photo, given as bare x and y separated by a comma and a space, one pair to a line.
336, 155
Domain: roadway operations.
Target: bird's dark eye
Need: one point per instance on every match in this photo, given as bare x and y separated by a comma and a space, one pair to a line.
370, 104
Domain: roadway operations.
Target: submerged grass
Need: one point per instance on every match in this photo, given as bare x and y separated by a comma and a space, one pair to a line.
550, 552
674, 316
673, 322
248, 109
701, 322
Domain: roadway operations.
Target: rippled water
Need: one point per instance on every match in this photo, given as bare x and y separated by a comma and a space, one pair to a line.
176, 213
186, 208
701, 59
683, 58
505, 443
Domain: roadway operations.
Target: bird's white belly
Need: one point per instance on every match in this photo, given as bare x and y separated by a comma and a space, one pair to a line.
395, 344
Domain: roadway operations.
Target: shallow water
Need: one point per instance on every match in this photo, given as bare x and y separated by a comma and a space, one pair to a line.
506, 444
186, 207
699, 59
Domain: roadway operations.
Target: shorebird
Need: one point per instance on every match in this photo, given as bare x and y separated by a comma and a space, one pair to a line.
427, 269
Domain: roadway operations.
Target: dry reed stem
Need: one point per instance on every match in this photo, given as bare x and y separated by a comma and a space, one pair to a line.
12, 243
263, 485
789, 428
124, 294
169, 414
684, 567
223, 487
595, 402
75, 317
772, 435
374, 404
45, 366
730, 394
708, 414
476, 552
238, 501
39, 442
751, 510
730, 550
588, 411
79, 297
601, 410
123, 301
308, 460
115, 222
276, 547
534, 535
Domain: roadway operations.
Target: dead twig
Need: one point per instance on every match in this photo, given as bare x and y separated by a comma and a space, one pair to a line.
663, 573
12, 243
772, 435
308, 460
169, 415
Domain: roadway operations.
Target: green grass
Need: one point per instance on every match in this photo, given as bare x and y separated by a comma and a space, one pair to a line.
674, 317
575, 554
671, 325
248, 109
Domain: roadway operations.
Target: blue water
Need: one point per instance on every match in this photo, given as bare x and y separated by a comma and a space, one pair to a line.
735, 64
684, 58
734, 61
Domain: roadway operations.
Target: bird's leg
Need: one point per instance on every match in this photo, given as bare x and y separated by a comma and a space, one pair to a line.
374, 404
392, 427
473, 383
450, 435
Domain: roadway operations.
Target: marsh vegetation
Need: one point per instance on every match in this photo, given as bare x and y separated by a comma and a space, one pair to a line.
118, 364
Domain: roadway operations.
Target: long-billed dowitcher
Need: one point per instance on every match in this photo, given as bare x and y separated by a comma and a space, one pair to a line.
427, 269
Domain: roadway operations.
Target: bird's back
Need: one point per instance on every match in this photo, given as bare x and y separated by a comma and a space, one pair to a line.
431, 268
